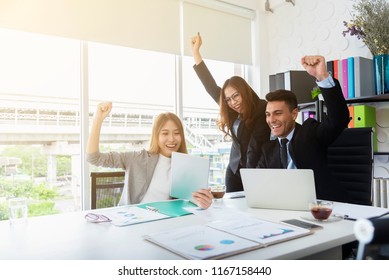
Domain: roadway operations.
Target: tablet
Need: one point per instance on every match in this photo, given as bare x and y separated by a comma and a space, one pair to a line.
189, 174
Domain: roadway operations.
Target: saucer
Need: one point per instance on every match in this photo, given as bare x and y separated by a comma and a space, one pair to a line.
331, 219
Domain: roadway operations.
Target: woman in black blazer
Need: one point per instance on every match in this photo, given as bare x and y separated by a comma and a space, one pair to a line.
242, 117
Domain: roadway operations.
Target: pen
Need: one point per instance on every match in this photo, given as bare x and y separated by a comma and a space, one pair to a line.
346, 217
237, 196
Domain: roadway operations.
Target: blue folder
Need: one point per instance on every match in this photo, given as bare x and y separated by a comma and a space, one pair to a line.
172, 208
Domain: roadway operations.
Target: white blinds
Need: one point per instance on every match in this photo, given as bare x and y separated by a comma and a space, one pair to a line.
226, 31
144, 24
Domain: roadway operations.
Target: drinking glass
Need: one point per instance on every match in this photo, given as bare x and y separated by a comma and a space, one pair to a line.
17, 210
218, 192
321, 210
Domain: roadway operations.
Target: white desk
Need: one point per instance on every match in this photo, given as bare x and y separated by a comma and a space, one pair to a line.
70, 236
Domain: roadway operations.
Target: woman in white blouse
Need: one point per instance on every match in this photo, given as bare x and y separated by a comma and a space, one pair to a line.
147, 171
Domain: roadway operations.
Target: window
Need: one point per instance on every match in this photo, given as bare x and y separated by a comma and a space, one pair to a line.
140, 84
39, 120
40, 81
131, 76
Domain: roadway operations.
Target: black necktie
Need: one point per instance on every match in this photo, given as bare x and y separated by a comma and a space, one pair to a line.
284, 153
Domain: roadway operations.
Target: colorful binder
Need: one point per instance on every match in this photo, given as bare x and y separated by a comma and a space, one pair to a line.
336, 70
330, 66
363, 77
351, 112
308, 114
272, 82
300, 82
345, 77
351, 79
340, 74
365, 116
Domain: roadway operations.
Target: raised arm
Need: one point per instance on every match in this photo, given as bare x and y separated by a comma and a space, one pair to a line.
103, 110
316, 66
337, 111
195, 47
202, 71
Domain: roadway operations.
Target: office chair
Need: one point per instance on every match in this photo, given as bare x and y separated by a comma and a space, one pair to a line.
107, 188
350, 159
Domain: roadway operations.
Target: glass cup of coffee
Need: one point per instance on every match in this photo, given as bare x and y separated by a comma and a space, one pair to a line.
218, 191
321, 209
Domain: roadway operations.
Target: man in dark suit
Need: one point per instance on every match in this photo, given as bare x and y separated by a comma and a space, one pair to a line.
307, 143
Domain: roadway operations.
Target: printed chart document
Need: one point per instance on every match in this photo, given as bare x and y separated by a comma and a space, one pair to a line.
223, 238
260, 231
130, 215
200, 242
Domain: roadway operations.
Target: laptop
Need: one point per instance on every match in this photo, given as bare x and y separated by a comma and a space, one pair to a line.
287, 189
189, 174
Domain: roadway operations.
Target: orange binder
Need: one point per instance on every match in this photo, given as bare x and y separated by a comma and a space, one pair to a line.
351, 112
336, 69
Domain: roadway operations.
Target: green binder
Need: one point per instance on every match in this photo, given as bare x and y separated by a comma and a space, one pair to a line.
172, 208
365, 116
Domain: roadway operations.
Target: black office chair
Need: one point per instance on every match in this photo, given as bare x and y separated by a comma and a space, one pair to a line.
107, 188
350, 159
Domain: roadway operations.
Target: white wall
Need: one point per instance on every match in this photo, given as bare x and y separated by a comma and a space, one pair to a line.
308, 28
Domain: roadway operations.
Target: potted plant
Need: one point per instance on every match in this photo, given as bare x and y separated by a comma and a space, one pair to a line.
370, 23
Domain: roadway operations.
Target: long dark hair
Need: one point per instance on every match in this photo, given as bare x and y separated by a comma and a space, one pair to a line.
247, 108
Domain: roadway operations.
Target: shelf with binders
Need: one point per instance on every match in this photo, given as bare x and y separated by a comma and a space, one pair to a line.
365, 99
365, 115
378, 102
356, 77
